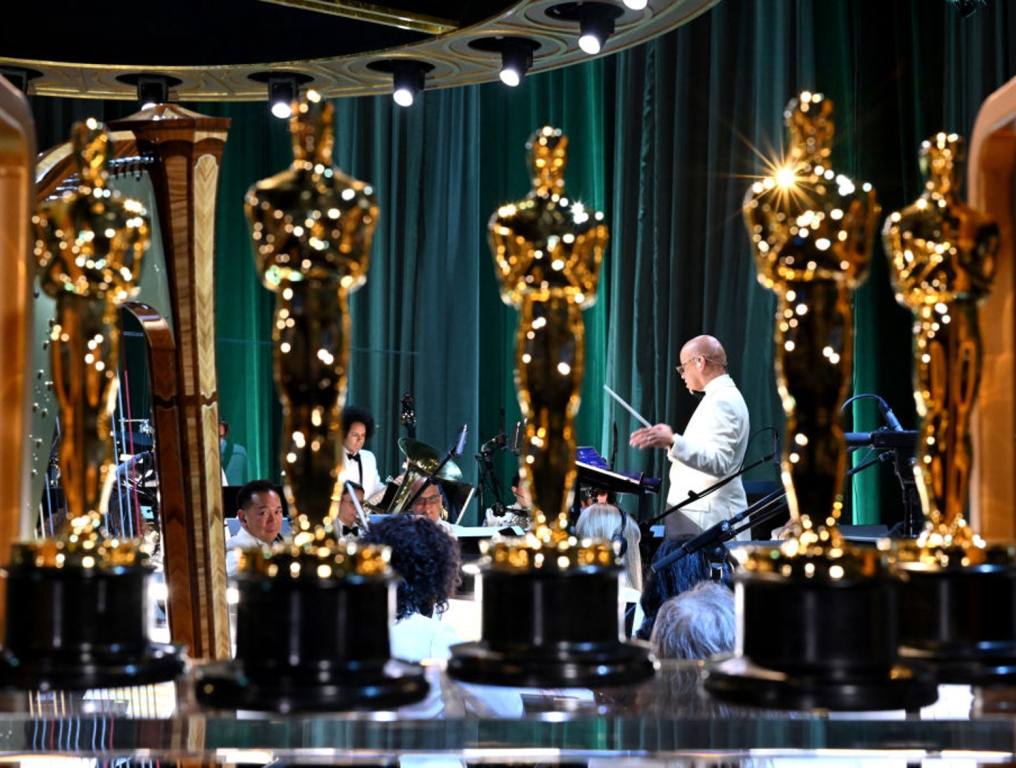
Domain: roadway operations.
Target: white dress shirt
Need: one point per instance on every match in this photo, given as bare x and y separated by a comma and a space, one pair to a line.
712, 447
242, 539
370, 479
418, 637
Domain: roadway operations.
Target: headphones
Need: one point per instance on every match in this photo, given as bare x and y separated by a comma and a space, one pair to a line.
618, 535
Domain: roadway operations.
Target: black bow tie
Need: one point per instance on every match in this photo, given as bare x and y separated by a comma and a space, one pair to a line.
350, 530
353, 456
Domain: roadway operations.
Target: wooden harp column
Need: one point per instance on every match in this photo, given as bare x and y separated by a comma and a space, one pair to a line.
17, 202
187, 151
991, 174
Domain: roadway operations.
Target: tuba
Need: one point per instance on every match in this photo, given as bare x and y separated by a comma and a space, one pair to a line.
421, 461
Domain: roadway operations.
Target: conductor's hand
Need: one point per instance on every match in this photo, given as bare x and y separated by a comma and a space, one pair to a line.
657, 436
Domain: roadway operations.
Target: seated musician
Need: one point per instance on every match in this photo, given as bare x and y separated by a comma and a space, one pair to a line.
430, 503
605, 521
516, 514
349, 521
359, 464
259, 510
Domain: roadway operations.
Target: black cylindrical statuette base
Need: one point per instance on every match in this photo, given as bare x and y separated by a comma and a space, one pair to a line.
312, 644
960, 622
817, 643
551, 628
73, 627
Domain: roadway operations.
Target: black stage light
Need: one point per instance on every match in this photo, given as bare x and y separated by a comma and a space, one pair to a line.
408, 77
516, 55
595, 19
152, 90
19, 77
516, 59
282, 92
283, 89
407, 82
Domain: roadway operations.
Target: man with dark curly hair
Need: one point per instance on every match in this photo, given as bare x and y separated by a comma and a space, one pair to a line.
428, 560
359, 464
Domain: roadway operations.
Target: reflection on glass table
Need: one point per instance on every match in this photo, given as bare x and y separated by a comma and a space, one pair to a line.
668, 717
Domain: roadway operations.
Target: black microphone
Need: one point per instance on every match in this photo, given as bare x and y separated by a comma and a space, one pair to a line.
889, 416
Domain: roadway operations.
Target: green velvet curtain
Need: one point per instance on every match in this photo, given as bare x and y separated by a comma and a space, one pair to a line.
663, 138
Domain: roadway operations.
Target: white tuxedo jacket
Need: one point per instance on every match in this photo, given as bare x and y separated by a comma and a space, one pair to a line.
371, 480
712, 447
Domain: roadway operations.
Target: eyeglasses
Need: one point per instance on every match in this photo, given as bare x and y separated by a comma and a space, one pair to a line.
426, 501
686, 363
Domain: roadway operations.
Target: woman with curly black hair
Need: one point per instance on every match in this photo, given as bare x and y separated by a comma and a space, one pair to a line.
427, 559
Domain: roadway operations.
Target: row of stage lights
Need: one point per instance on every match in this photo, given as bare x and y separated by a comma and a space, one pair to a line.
595, 21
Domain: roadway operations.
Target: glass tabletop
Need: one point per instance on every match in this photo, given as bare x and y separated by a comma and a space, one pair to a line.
667, 717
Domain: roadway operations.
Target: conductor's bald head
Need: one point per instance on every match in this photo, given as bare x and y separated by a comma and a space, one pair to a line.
702, 360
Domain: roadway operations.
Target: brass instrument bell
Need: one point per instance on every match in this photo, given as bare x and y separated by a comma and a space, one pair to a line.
421, 462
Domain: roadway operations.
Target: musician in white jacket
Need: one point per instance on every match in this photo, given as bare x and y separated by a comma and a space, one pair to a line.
712, 446
359, 464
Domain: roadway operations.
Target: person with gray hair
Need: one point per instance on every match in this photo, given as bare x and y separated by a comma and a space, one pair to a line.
604, 521
696, 624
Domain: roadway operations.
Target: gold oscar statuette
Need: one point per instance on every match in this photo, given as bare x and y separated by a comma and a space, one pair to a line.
812, 230
548, 249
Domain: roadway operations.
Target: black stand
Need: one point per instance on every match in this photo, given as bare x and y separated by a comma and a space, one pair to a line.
73, 628
488, 478
695, 496
312, 644
762, 510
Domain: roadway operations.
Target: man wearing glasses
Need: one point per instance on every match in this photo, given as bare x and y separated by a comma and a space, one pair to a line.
712, 445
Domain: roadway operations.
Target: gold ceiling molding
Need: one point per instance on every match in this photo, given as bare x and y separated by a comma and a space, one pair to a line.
374, 13
455, 62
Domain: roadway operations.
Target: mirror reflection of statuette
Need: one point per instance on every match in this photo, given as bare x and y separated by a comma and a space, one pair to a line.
312, 229
812, 230
90, 243
550, 615
333, 599
942, 257
956, 591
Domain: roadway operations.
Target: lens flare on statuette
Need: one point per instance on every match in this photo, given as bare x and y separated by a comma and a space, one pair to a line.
811, 230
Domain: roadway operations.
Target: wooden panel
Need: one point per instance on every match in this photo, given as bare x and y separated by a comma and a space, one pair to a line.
187, 148
990, 179
17, 201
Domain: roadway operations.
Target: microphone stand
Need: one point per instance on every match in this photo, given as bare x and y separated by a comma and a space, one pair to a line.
488, 478
695, 496
453, 451
769, 505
